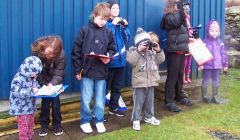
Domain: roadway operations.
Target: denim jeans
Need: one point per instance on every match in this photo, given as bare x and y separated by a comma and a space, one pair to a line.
88, 89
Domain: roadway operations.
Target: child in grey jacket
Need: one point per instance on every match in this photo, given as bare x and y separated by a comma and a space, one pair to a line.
144, 59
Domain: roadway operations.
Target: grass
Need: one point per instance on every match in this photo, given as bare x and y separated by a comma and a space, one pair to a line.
194, 124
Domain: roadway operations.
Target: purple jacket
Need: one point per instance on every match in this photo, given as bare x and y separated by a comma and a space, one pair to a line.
217, 49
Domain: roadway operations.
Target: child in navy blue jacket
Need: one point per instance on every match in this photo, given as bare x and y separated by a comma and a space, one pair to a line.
22, 103
119, 28
92, 72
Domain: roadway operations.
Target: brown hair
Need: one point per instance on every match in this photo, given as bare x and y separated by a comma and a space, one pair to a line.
154, 37
171, 7
102, 9
52, 42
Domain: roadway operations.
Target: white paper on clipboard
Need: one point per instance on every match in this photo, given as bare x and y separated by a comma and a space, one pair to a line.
200, 52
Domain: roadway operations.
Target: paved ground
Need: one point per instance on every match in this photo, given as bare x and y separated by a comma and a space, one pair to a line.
73, 132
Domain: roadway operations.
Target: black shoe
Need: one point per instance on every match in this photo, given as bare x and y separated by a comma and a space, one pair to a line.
116, 112
43, 132
58, 131
172, 107
186, 102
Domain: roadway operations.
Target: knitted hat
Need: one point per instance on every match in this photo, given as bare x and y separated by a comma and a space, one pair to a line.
141, 36
112, 2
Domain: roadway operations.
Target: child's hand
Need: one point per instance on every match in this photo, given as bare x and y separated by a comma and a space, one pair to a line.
35, 90
116, 20
200, 68
225, 68
156, 47
105, 60
142, 48
125, 22
78, 76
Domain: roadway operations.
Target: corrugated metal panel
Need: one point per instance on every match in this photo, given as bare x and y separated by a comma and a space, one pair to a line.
21, 22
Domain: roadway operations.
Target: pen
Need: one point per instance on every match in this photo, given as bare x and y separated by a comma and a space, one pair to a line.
81, 72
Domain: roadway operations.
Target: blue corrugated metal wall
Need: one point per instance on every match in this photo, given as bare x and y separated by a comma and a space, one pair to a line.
22, 21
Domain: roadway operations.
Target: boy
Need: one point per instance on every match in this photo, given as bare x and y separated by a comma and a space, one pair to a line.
144, 59
119, 28
93, 38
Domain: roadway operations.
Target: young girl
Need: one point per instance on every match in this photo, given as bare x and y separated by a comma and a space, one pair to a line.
22, 104
119, 28
211, 69
188, 57
93, 72
49, 49
144, 59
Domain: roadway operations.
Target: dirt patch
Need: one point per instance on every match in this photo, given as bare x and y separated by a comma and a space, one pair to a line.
220, 135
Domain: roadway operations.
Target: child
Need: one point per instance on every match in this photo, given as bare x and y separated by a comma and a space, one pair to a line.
188, 57
23, 88
144, 59
49, 49
119, 28
93, 72
211, 69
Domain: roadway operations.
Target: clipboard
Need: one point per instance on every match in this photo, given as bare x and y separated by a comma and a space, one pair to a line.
200, 52
98, 56
53, 95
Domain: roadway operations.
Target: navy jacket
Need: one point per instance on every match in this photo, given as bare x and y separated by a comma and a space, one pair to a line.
92, 38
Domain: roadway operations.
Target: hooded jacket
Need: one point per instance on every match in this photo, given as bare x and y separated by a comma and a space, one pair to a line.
217, 49
121, 36
177, 32
92, 38
21, 93
144, 67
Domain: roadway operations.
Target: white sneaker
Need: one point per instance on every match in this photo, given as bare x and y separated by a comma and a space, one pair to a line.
152, 121
100, 127
86, 128
136, 125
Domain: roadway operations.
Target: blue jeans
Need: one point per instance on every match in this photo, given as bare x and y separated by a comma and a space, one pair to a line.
89, 87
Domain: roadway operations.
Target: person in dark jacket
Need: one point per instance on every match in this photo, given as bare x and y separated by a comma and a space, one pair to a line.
177, 46
94, 38
49, 50
212, 69
119, 28
22, 103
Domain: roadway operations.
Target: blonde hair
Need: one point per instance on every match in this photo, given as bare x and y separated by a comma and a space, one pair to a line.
171, 7
154, 37
102, 9
41, 44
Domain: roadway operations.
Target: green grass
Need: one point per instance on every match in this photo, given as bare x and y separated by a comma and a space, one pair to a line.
194, 124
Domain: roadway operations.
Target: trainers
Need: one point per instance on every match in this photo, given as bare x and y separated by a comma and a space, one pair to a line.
152, 121
58, 131
86, 128
116, 112
136, 125
100, 127
43, 132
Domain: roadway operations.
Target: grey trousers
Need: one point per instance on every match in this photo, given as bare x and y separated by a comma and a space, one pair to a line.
143, 99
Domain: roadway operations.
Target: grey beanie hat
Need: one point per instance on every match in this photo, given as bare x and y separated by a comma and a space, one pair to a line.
141, 36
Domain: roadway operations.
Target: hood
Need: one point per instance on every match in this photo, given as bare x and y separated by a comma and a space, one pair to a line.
31, 66
207, 29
